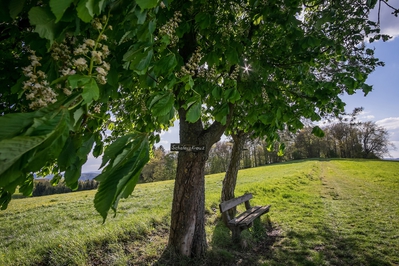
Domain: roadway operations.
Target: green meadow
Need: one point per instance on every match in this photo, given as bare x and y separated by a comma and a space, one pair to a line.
324, 212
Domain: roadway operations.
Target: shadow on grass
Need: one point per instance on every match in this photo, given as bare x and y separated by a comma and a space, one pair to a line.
264, 244
275, 247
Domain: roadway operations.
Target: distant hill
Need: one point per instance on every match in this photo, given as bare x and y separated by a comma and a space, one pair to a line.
88, 176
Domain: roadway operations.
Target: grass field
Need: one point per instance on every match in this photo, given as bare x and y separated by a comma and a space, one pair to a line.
336, 212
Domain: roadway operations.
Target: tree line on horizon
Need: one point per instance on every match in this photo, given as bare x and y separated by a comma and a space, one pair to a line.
344, 139
42, 187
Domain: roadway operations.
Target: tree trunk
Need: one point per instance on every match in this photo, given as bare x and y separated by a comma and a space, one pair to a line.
230, 179
187, 235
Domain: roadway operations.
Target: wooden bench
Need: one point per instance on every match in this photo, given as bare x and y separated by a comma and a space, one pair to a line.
245, 219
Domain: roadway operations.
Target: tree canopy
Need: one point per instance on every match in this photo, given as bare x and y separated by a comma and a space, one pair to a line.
71, 70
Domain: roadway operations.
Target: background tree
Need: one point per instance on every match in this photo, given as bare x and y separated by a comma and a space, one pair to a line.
344, 140
219, 157
373, 139
162, 166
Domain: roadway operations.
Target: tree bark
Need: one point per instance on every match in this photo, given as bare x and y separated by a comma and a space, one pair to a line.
187, 235
230, 179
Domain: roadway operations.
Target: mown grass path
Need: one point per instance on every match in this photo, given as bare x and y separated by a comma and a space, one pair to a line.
354, 220
361, 200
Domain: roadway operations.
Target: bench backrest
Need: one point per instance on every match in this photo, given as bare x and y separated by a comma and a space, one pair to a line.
227, 205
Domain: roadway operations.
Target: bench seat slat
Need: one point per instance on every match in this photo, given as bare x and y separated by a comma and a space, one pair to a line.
247, 217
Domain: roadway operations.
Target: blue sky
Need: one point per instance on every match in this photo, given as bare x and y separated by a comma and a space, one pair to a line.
381, 105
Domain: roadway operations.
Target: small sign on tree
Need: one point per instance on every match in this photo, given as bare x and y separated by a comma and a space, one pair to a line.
186, 147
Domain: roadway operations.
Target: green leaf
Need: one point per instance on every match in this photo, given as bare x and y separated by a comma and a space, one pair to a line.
162, 104
77, 81
212, 58
217, 92
366, 89
252, 116
266, 119
131, 53
44, 138
16, 7
167, 118
281, 149
66, 157
232, 95
113, 150
98, 149
152, 26
59, 7
144, 61
141, 16
55, 180
84, 12
221, 113
80, 152
44, 22
12, 149
189, 82
90, 91
52, 147
258, 19
166, 65
371, 3
77, 114
5, 198
27, 187
72, 174
146, 4
95, 6
232, 56
318, 132
194, 112
120, 176
203, 20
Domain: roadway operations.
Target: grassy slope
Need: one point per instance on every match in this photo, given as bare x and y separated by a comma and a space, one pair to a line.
339, 212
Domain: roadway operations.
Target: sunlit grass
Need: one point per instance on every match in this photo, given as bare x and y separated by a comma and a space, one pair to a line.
338, 212
61, 227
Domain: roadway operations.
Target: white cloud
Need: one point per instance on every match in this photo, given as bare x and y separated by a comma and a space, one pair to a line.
365, 116
92, 164
390, 123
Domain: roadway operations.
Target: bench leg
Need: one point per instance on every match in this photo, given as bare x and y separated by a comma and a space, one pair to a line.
236, 232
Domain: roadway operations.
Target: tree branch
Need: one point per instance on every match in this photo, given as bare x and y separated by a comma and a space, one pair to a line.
216, 130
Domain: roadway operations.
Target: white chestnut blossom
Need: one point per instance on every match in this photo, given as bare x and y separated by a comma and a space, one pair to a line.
192, 66
101, 71
90, 42
80, 64
37, 89
73, 55
169, 29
